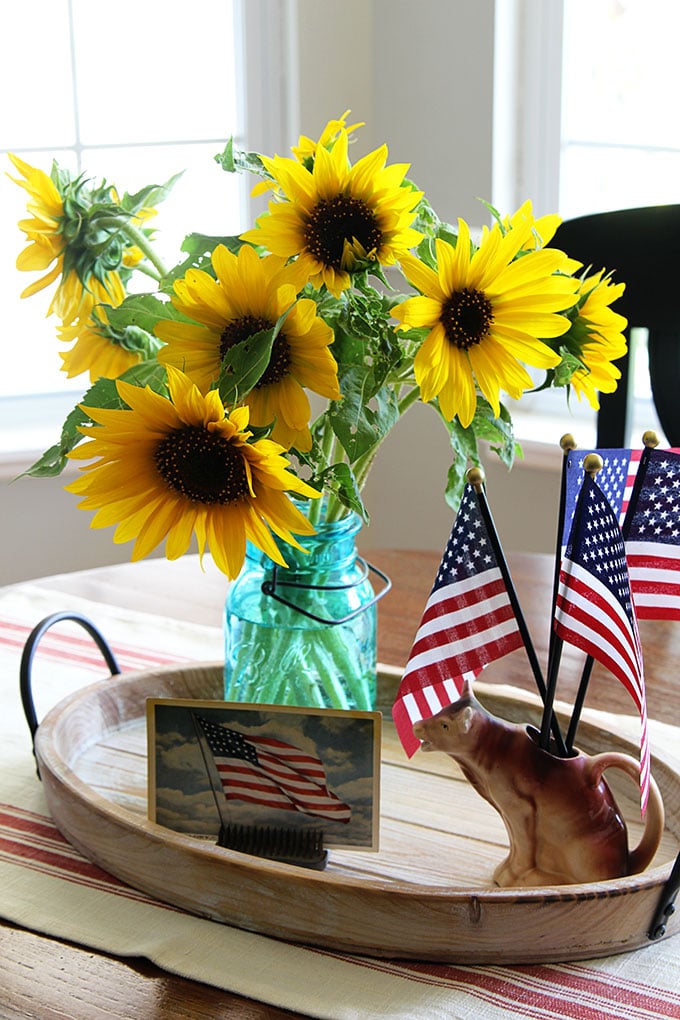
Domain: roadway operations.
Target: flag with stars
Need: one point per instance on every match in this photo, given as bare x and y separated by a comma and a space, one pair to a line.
616, 480
594, 609
653, 539
468, 622
269, 772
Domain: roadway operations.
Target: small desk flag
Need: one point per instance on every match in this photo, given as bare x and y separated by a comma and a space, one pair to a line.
594, 608
616, 480
653, 540
468, 622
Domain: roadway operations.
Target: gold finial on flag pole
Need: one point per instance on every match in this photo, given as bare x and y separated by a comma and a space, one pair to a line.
650, 439
567, 442
592, 463
475, 477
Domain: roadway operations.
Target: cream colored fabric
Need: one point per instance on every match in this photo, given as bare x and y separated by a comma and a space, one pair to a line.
47, 886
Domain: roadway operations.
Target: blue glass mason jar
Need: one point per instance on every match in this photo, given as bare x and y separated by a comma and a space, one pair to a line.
306, 634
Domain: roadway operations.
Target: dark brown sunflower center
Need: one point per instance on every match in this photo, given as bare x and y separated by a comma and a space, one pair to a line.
202, 466
240, 329
466, 317
337, 220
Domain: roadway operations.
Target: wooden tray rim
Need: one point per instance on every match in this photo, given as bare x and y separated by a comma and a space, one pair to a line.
486, 692
450, 896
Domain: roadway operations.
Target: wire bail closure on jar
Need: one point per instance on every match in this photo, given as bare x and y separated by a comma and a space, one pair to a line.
271, 588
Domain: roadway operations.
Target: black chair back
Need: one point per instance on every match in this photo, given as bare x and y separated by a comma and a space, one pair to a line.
642, 247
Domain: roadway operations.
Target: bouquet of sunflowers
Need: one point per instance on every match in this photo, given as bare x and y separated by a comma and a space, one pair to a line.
349, 289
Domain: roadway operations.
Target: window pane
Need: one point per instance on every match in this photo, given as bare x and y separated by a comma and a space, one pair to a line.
154, 71
620, 72
35, 76
596, 179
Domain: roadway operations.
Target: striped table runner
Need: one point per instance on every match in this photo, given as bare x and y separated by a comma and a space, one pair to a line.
45, 885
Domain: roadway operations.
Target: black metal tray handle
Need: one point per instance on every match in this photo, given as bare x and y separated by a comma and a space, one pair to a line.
30, 648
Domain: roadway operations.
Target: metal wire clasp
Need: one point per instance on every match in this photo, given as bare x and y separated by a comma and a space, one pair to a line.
271, 588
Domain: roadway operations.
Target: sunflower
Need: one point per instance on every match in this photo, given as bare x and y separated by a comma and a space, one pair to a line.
172, 468
49, 248
43, 230
248, 295
306, 147
485, 310
94, 351
596, 338
537, 231
337, 218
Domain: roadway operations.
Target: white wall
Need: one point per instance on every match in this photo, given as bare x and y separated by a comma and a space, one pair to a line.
421, 76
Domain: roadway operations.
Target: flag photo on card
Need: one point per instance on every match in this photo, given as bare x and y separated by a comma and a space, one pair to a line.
269, 772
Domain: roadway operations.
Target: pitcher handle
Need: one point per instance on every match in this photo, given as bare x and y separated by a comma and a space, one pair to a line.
640, 857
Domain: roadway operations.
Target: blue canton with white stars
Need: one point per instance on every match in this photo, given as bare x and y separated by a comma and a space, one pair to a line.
657, 511
612, 480
468, 551
597, 545
225, 743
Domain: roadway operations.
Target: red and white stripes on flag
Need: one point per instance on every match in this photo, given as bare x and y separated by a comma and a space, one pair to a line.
468, 622
594, 609
271, 773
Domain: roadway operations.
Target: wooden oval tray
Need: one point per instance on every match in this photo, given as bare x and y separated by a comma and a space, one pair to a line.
426, 895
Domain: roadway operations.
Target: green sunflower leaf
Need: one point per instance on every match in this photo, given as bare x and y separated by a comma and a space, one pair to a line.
497, 431
150, 195
245, 363
233, 160
141, 311
339, 479
365, 414
485, 426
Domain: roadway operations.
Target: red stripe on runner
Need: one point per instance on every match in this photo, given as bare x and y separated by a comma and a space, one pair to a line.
49, 853
82, 650
587, 994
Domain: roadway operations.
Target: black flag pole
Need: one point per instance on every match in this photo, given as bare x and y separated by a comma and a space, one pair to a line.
592, 463
650, 441
475, 477
567, 444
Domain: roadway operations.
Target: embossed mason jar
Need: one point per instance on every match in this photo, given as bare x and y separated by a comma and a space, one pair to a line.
304, 635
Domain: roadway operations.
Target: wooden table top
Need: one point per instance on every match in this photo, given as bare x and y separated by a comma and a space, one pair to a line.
50, 978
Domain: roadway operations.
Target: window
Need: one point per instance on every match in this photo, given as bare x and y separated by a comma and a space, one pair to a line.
160, 96
620, 138
618, 145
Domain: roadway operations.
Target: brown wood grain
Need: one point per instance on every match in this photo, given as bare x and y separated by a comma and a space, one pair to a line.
46, 978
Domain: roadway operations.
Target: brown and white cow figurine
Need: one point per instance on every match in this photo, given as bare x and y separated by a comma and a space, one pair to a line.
563, 823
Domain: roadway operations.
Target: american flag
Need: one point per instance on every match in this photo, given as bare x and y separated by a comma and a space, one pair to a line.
269, 772
653, 539
468, 622
594, 609
616, 480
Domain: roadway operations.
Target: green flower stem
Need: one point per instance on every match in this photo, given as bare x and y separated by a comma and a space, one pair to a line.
335, 510
327, 451
138, 238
